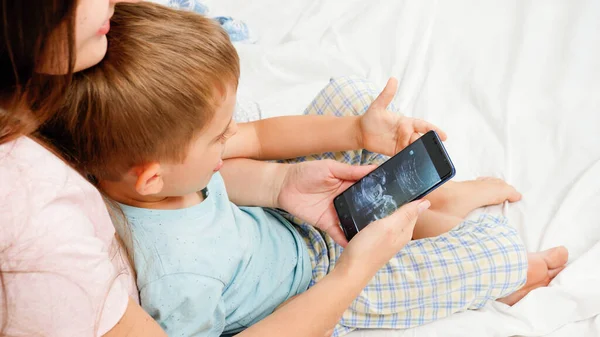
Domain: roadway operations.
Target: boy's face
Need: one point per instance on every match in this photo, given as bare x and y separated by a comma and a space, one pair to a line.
205, 152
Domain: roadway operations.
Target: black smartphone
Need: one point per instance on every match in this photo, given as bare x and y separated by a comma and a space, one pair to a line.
409, 175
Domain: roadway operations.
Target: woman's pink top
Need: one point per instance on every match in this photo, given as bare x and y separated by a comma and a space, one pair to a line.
63, 272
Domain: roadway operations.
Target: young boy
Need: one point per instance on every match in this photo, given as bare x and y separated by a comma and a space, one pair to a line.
149, 126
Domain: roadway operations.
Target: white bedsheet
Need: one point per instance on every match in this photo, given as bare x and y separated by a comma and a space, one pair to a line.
516, 84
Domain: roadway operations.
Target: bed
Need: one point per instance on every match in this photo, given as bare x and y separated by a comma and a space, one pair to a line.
516, 85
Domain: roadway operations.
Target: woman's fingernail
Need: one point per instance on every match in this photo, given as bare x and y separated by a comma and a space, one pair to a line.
423, 206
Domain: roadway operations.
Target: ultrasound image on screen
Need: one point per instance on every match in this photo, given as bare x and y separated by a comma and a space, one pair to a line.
399, 180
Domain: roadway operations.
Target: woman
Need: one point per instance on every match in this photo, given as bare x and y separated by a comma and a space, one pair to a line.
62, 271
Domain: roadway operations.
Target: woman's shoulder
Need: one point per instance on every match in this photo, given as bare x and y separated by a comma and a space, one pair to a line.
54, 223
24, 163
34, 181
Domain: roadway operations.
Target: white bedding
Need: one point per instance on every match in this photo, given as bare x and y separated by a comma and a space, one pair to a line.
516, 84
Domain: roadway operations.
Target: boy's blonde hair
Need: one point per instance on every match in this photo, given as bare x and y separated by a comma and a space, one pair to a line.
163, 76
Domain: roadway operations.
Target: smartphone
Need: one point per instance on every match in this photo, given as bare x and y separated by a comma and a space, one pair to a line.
409, 175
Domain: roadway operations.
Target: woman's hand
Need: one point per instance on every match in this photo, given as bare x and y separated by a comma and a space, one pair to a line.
308, 189
377, 243
382, 131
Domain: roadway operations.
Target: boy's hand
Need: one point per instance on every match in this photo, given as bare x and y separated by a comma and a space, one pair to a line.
382, 131
308, 189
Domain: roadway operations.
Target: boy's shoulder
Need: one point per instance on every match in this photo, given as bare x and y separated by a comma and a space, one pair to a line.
215, 202
201, 239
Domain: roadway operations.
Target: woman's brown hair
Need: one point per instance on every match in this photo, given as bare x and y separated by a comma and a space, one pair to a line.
34, 34
163, 75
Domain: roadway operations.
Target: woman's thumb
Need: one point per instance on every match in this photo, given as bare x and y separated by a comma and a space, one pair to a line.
349, 172
407, 215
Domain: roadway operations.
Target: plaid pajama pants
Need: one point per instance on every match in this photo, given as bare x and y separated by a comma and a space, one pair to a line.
431, 278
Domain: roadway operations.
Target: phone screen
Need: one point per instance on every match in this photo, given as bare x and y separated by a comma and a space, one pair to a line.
401, 179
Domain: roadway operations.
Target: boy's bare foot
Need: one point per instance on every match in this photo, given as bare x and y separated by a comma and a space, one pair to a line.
461, 198
542, 268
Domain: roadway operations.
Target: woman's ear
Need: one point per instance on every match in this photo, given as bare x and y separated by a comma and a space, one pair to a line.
149, 179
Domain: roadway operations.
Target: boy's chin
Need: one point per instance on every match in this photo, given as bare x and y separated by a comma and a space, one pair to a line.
202, 185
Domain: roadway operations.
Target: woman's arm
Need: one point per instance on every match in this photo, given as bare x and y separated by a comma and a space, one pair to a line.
315, 312
377, 130
136, 323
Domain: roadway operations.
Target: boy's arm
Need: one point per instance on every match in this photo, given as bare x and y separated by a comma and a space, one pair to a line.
305, 190
378, 130
253, 183
294, 136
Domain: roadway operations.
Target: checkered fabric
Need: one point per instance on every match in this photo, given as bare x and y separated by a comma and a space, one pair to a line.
429, 279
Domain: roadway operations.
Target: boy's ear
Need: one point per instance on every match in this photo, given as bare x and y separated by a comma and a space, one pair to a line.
149, 179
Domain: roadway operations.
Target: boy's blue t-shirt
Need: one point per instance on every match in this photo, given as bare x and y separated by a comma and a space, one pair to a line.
215, 268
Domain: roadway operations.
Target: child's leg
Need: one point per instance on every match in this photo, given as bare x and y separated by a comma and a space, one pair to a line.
432, 223
461, 198
542, 268
451, 202
477, 262
432, 278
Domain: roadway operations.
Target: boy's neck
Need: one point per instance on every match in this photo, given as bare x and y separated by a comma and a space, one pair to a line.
118, 193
